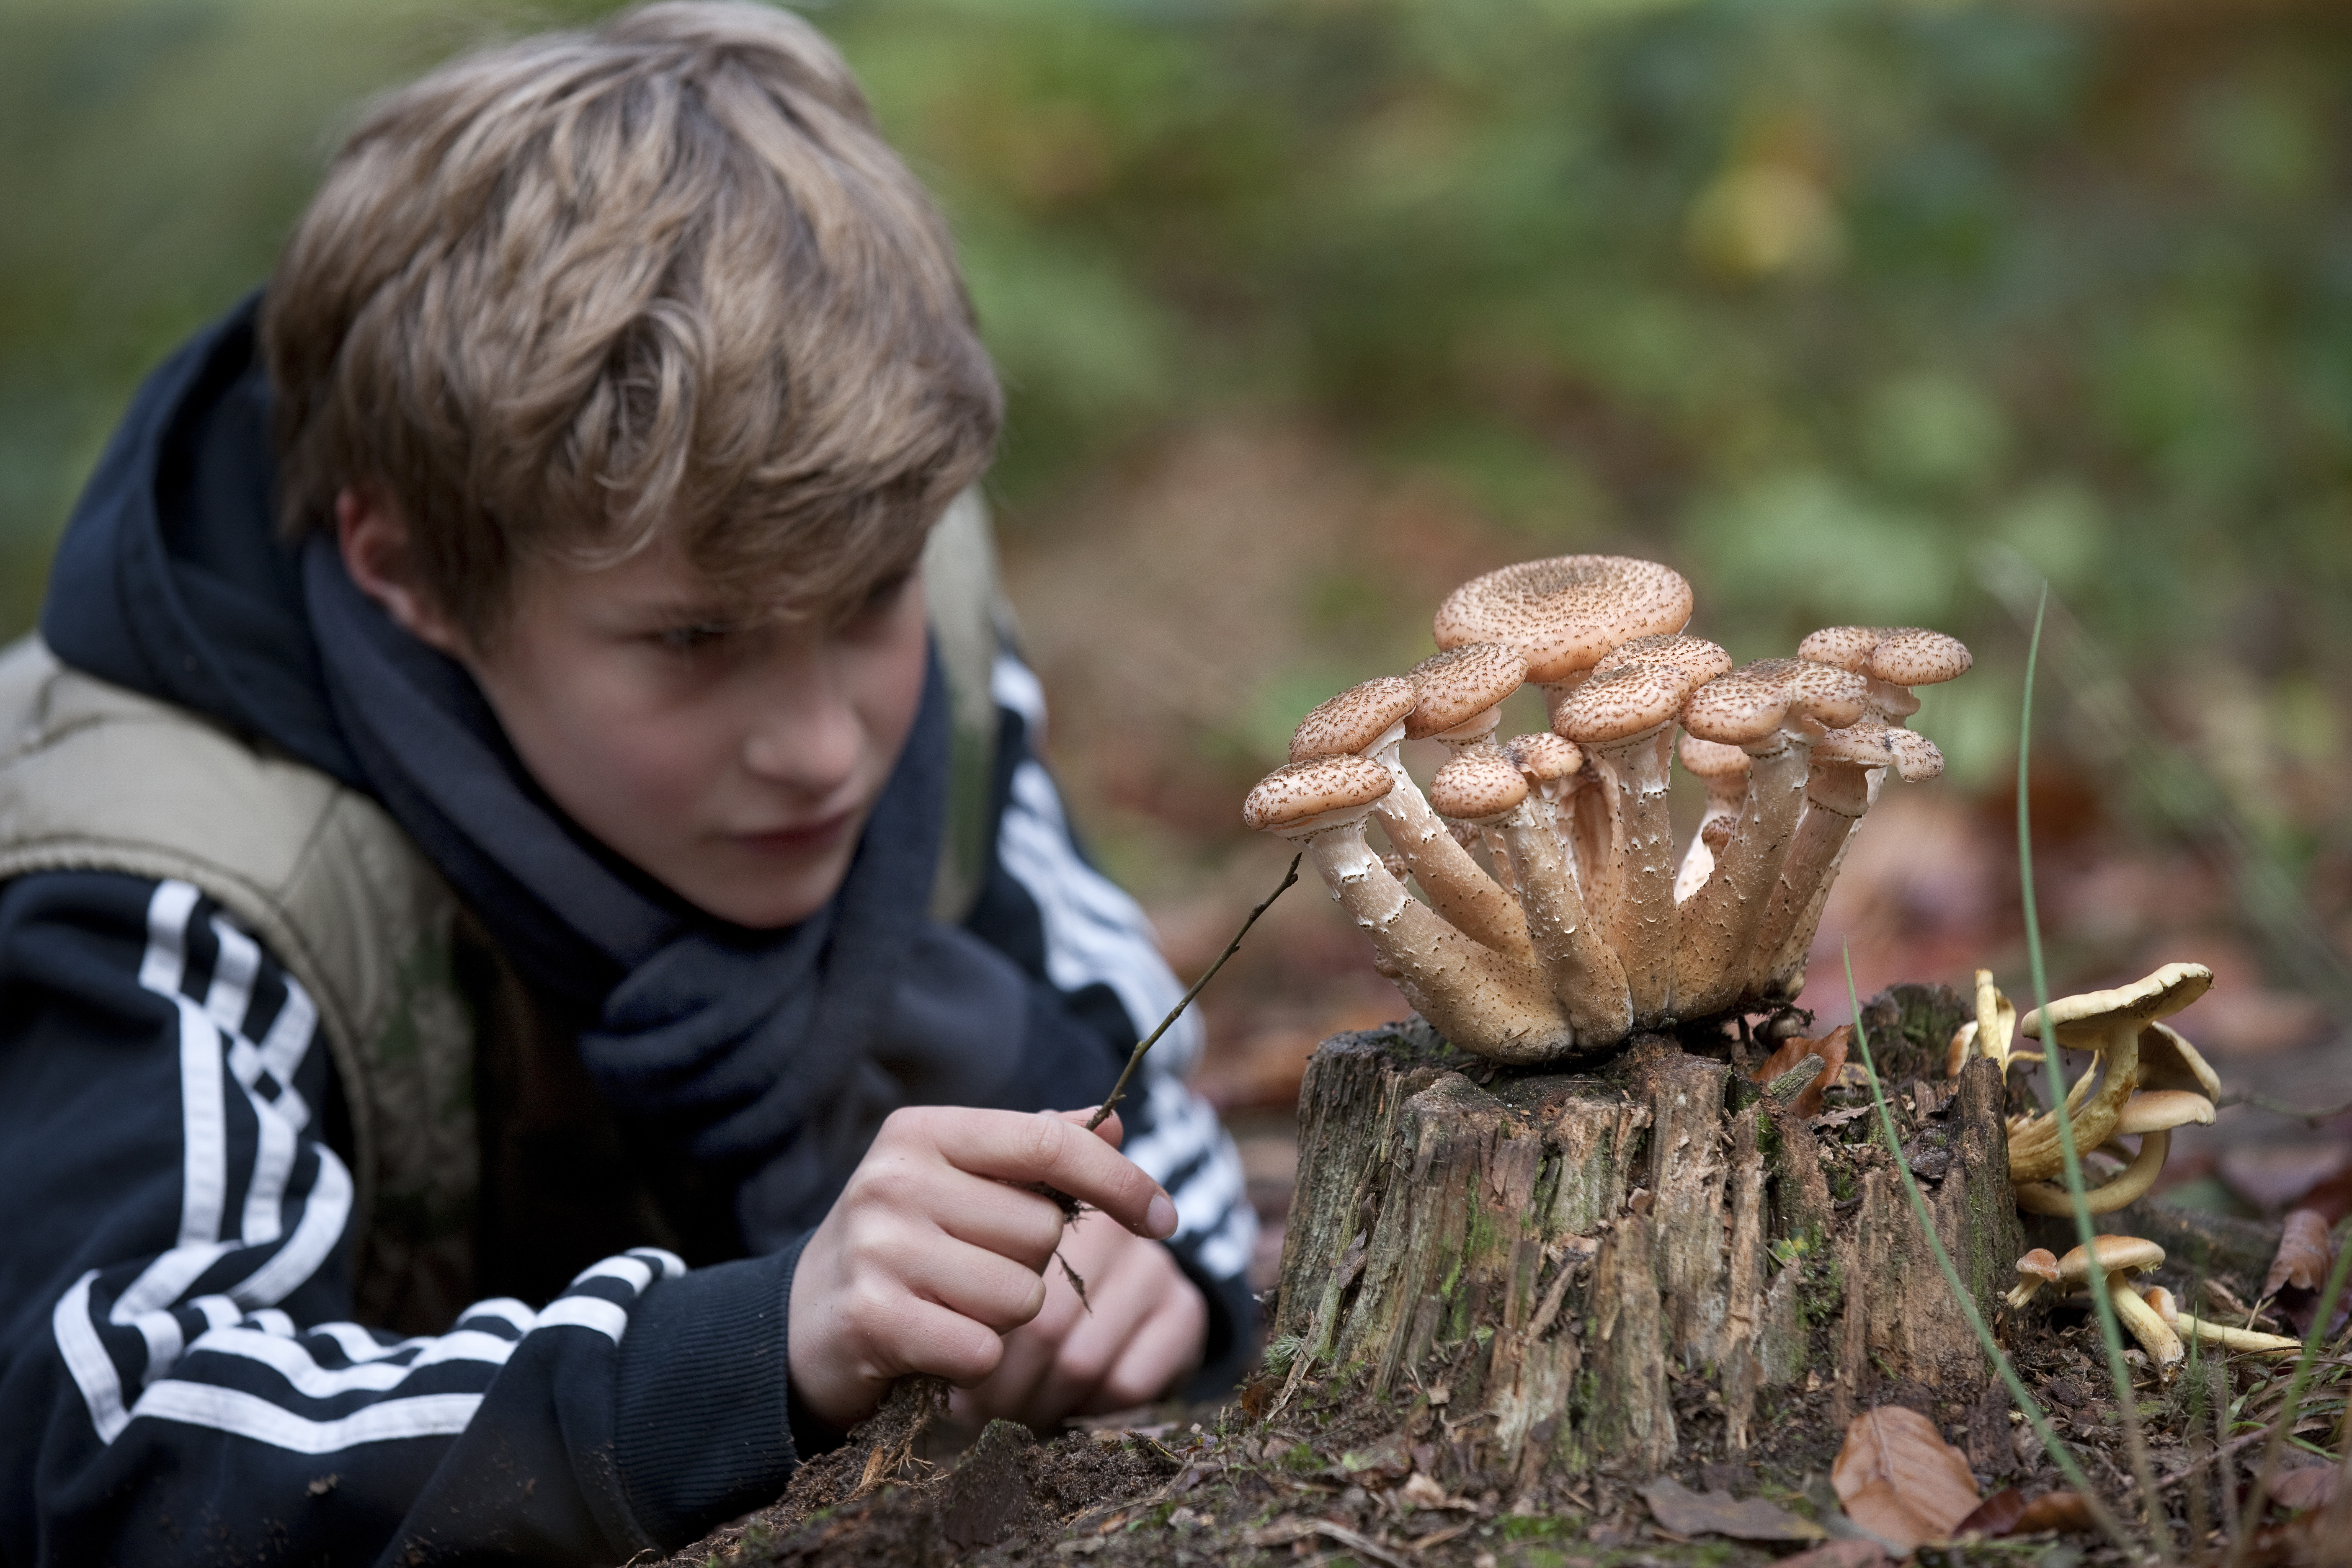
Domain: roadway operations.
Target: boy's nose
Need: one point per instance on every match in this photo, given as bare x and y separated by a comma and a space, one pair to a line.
810, 742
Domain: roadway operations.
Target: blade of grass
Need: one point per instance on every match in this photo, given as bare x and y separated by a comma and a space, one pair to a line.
2063, 1457
2110, 1330
2259, 1496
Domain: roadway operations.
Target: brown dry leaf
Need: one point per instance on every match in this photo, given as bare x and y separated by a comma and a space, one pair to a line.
2302, 1260
2313, 1486
1838, 1554
1900, 1481
1686, 1513
1996, 1516
1831, 1048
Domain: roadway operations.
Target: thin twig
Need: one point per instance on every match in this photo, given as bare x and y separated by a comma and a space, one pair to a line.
2281, 1107
1118, 1089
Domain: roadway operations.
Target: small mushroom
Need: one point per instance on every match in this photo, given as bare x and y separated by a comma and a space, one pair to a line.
2036, 1270
1553, 767
2150, 1114
1724, 769
2118, 1258
1482, 1001
1625, 717
1484, 788
1457, 702
1774, 710
1368, 720
1842, 778
1895, 659
2110, 1022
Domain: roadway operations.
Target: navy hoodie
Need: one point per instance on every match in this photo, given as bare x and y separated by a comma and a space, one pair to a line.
180, 1376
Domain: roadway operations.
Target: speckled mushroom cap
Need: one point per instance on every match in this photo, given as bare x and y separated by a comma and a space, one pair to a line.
1712, 759
1736, 709
1873, 744
1477, 787
1621, 703
1899, 656
2088, 1021
1346, 725
1694, 658
2110, 1255
1914, 656
1451, 688
2168, 1061
1563, 615
1543, 757
2162, 1109
1827, 694
1300, 797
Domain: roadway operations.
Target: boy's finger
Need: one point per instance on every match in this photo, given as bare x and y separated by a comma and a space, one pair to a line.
1004, 1220
1112, 1131
993, 1291
1011, 1147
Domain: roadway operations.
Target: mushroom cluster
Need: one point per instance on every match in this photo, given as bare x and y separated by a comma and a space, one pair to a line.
2151, 1315
1556, 917
2149, 1080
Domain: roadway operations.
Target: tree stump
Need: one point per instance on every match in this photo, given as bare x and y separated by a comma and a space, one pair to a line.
1647, 1262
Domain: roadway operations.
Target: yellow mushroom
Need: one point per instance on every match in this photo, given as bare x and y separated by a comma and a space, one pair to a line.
2151, 1116
2118, 1258
2036, 1270
2109, 1023
2218, 1334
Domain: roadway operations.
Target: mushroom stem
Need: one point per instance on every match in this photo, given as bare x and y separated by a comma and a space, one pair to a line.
2035, 1153
1586, 975
1716, 930
1642, 922
2162, 1346
2229, 1339
1481, 1000
1458, 888
2130, 1182
1836, 796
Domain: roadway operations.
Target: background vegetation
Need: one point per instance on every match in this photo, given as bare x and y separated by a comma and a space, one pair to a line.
1852, 308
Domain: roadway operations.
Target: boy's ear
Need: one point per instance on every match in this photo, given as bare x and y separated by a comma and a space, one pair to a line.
374, 538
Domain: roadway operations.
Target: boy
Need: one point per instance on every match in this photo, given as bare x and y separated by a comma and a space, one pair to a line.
517, 801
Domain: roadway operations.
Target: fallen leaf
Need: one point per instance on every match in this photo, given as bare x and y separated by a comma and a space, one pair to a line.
2272, 1176
1379, 1464
2302, 1260
1996, 1516
1838, 1554
1831, 1048
2313, 1486
1900, 1481
2059, 1510
1686, 1513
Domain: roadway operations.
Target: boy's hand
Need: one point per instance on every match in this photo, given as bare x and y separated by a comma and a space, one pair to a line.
929, 1258
1146, 1328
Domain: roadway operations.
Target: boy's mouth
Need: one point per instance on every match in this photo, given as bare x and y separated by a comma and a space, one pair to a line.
804, 839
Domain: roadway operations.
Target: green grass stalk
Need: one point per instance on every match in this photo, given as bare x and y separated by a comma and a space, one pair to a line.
2103, 1304
2035, 1416
2259, 1496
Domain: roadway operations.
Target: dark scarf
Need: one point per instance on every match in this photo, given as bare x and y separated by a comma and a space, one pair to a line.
771, 1056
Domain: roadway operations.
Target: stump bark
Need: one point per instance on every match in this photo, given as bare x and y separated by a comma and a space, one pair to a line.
1647, 1263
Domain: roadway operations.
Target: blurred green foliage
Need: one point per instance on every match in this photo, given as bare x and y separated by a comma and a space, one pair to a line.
1822, 300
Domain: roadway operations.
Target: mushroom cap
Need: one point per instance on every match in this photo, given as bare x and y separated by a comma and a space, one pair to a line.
1346, 725
2162, 1109
2110, 1255
1451, 688
1899, 656
1477, 787
1564, 614
2039, 1263
1874, 743
2086, 1022
1618, 704
1321, 792
1736, 709
1696, 657
2161, 1300
1848, 647
1914, 656
2168, 1061
1544, 757
1711, 759
1828, 695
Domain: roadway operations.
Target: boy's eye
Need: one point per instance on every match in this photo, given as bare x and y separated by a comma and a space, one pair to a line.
699, 637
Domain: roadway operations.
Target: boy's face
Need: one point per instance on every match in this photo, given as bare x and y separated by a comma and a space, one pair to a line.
734, 760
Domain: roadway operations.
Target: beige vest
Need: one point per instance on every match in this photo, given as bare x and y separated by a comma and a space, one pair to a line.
94, 777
